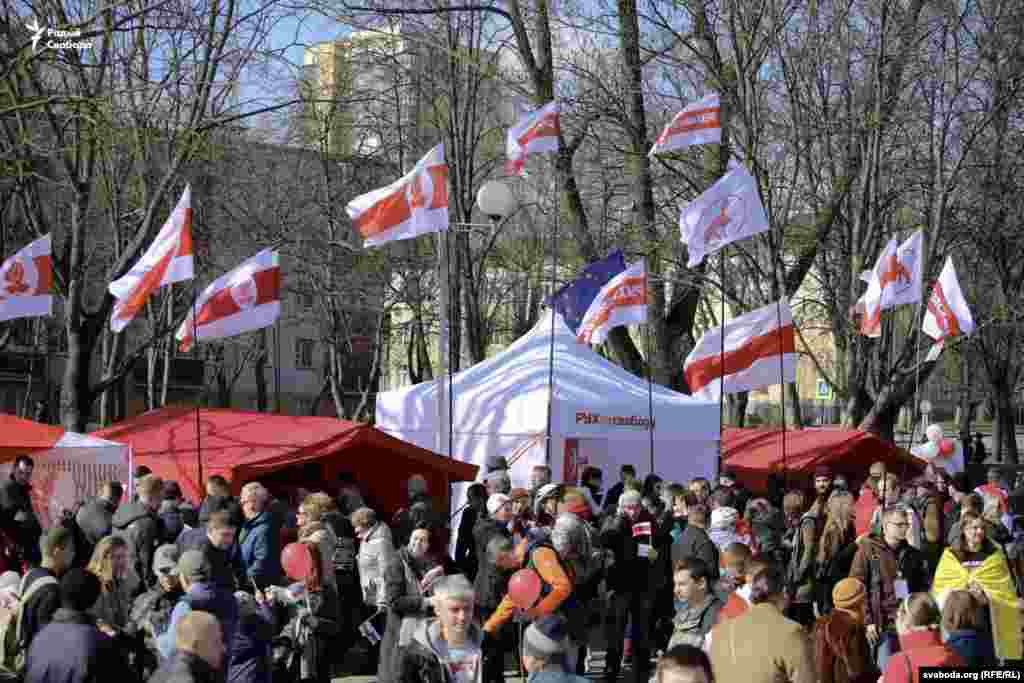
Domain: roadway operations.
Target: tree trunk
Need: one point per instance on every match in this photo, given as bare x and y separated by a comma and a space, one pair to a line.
1004, 436
75, 398
795, 413
334, 372
259, 369
964, 423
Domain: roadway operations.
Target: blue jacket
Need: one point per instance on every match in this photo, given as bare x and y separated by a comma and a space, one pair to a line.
976, 647
259, 550
250, 650
206, 597
71, 649
554, 675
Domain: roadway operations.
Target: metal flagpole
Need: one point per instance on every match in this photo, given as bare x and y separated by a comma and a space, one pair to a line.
277, 365
917, 370
199, 443
782, 392
650, 381
442, 339
721, 358
551, 341
451, 358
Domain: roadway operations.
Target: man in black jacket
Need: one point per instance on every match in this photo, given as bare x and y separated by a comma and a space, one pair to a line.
465, 547
491, 582
139, 525
70, 649
636, 541
16, 512
695, 541
96, 517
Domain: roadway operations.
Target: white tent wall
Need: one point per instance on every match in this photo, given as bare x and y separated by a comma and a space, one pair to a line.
72, 471
500, 407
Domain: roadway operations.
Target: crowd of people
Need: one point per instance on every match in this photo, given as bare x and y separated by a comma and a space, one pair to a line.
683, 582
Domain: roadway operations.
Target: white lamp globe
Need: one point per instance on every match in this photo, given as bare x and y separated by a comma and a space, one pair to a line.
495, 199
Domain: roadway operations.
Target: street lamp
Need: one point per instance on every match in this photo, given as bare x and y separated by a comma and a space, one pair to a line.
495, 200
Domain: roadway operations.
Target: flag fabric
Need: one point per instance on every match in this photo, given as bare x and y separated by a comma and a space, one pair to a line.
414, 205
729, 211
25, 281
895, 280
248, 298
536, 132
573, 300
168, 260
947, 314
623, 300
699, 123
753, 345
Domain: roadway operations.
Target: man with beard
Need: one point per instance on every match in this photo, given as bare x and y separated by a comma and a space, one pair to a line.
19, 518
635, 540
822, 490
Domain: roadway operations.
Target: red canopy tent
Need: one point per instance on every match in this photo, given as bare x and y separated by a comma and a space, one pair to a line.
245, 446
19, 436
756, 454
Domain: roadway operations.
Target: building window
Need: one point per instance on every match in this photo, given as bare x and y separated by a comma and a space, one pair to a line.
304, 353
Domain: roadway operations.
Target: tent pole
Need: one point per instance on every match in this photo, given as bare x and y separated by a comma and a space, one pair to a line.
551, 340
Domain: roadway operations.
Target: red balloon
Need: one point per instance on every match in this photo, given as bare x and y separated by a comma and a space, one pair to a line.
946, 447
297, 561
524, 588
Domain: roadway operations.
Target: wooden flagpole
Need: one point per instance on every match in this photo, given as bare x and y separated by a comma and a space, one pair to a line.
650, 367
551, 340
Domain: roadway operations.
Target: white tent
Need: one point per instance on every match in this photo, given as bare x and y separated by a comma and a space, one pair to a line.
600, 414
72, 471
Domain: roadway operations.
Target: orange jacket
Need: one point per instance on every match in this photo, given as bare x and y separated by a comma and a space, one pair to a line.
546, 563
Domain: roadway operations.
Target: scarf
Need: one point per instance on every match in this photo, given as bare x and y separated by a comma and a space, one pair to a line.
993, 575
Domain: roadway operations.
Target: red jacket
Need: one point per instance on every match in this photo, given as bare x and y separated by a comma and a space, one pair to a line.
864, 509
919, 648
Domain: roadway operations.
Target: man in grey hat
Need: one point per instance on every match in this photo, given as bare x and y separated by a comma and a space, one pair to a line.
201, 593
151, 612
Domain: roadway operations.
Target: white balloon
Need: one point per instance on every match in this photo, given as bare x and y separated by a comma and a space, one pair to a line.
934, 433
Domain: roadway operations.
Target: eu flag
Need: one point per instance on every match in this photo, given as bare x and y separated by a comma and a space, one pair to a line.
573, 300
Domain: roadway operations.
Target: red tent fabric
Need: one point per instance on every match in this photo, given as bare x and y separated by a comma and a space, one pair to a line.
19, 436
754, 454
244, 446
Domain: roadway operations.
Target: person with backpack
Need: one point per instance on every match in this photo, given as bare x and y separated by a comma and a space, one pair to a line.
39, 601
140, 527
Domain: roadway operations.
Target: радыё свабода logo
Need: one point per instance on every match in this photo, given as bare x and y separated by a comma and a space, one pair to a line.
66, 40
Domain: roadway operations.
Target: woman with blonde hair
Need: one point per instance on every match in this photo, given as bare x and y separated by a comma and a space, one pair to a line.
836, 548
109, 564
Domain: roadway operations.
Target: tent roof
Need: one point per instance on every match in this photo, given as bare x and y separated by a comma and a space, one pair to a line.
244, 445
18, 436
507, 393
754, 454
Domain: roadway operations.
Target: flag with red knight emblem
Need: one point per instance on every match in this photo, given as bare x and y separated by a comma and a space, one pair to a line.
414, 205
729, 211
168, 260
622, 301
25, 281
947, 314
246, 299
895, 280
536, 132
698, 124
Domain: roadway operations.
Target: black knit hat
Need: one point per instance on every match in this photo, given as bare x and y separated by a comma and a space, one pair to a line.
79, 590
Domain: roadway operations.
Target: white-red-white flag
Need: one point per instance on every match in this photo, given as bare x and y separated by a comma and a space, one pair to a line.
622, 301
246, 299
416, 204
536, 132
759, 350
168, 260
895, 280
699, 123
25, 281
728, 211
947, 314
